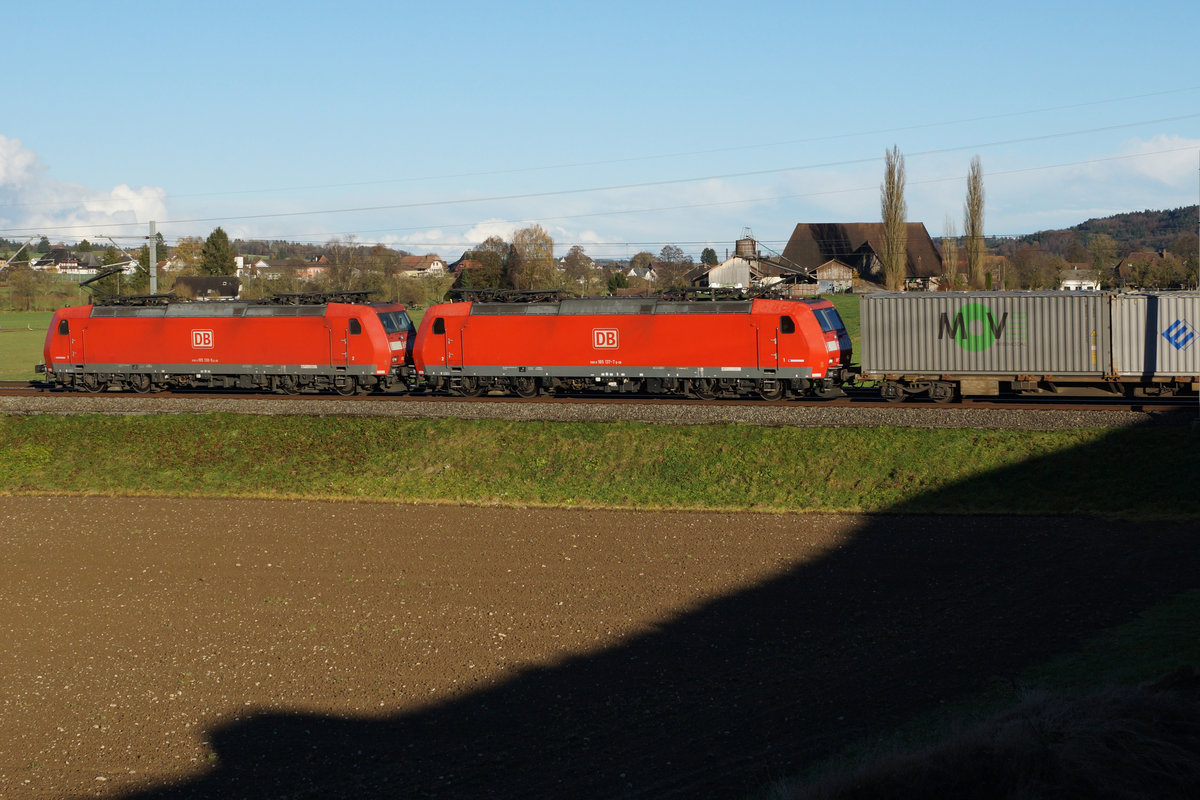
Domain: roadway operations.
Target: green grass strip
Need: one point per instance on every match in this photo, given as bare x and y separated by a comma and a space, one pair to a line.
1128, 473
22, 336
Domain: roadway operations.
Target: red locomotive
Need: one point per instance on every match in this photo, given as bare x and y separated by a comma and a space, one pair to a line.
704, 348
286, 345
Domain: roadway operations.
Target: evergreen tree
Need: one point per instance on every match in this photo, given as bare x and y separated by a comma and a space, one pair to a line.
216, 256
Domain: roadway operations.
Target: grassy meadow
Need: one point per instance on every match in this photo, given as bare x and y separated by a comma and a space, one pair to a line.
21, 336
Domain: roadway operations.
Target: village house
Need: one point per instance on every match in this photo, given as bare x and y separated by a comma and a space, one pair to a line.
426, 266
1078, 278
857, 245
748, 267
277, 268
64, 262
646, 273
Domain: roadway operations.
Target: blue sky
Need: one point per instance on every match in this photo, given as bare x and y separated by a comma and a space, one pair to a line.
620, 126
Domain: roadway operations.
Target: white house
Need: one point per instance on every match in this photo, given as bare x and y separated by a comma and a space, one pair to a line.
426, 266
1078, 280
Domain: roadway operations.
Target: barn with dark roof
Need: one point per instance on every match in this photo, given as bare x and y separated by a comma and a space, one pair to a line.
858, 244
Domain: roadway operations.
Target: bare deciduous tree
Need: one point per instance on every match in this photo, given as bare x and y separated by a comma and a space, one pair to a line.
532, 265
895, 228
580, 270
672, 267
950, 252
973, 224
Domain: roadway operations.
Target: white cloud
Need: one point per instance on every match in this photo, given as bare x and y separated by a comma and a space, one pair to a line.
1168, 160
492, 227
18, 166
33, 204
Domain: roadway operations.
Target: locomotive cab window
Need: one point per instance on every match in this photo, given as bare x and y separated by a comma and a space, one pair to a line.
787, 325
355, 326
439, 326
63, 327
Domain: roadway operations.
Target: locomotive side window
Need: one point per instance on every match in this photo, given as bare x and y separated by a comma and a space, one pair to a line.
355, 326
63, 327
787, 325
439, 326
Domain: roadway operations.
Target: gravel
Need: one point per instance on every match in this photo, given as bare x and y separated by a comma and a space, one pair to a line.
664, 412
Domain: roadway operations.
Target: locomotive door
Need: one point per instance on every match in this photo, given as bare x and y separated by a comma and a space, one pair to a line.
454, 348
339, 341
768, 345
74, 333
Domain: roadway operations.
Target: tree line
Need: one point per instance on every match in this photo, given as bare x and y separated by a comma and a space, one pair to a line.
1155, 249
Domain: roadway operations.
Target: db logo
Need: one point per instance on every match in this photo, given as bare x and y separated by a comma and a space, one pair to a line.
604, 338
202, 339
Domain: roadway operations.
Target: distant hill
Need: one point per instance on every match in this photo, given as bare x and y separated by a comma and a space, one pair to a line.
1137, 231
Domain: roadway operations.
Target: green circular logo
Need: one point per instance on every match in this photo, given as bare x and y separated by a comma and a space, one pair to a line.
975, 342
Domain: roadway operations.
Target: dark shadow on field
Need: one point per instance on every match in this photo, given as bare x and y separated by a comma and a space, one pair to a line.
915, 612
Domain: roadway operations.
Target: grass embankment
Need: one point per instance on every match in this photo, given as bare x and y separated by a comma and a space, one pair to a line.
22, 334
1116, 718
731, 467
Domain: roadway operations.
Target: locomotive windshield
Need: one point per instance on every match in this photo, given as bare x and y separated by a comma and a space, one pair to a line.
395, 321
829, 319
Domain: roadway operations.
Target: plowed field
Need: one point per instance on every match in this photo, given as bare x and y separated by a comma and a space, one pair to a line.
213, 648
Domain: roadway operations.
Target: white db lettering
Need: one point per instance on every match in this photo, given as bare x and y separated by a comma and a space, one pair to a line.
604, 339
202, 339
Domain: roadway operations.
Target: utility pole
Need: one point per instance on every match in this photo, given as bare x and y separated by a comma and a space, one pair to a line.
153, 261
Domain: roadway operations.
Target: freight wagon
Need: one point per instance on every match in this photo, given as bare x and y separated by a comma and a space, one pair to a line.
283, 346
942, 345
703, 348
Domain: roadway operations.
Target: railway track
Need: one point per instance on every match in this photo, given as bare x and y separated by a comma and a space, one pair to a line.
853, 398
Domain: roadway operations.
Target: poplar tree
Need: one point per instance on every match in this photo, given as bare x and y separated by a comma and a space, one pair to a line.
973, 224
950, 253
895, 228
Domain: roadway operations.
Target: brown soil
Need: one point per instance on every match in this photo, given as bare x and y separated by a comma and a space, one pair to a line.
170, 648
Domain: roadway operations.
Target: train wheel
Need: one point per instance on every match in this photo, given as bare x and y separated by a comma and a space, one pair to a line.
90, 383
942, 392
347, 387
470, 387
893, 392
525, 387
774, 393
287, 384
827, 392
704, 388
140, 382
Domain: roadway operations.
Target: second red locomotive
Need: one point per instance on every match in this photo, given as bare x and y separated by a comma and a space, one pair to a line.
703, 348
